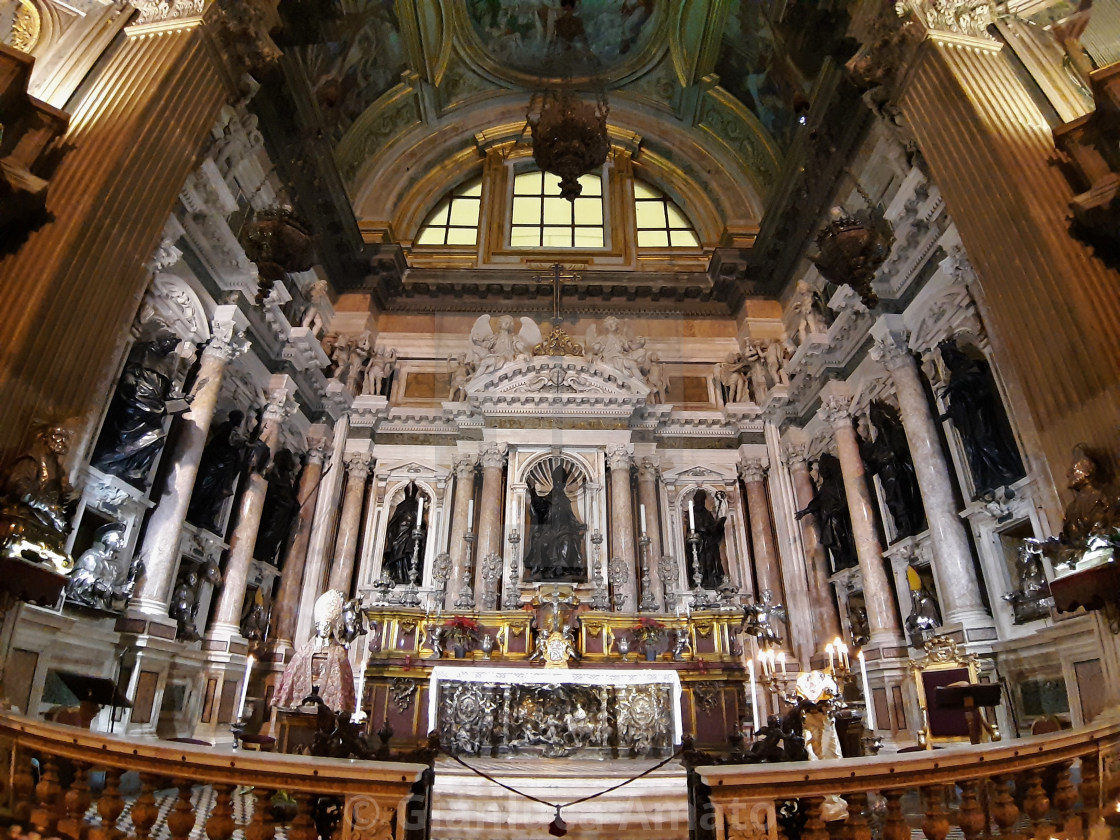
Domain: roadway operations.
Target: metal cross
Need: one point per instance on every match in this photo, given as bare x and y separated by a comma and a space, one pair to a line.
557, 279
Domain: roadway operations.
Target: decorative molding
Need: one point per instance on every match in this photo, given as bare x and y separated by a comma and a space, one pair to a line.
959, 17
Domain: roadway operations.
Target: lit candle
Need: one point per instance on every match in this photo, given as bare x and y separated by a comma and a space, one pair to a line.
754, 694
844, 657
691, 516
642, 514
470, 514
420, 512
782, 661
244, 687
358, 710
866, 693
773, 663
831, 663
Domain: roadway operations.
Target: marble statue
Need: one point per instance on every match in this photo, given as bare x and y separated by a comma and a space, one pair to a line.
974, 405
399, 539
321, 665
757, 372
776, 353
222, 461
886, 454
379, 372
359, 354
710, 530
830, 507
461, 372
36, 498
340, 357
95, 579
732, 374
613, 348
312, 315
555, 550
135, 426
492, 349
281, 506
655, 379
811, 311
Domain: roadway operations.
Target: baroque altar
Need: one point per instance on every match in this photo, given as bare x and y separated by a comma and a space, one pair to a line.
556, 714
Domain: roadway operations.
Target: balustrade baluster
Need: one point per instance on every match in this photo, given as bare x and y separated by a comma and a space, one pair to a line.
1037, 804
261, 826
303, 826
75, 804
970, 816
110, 806
935, 822
144, 811
1004, 810
221, 826
895, 827
181, 818
1065, 799
858, 827
48, 793
815, 828
23, 786
1090, 790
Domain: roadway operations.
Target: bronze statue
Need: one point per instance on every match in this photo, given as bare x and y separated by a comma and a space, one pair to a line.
1031, 599
830, 506
222, 460
555, 550
281, 504
135, 427
887, 455
761, 618
34, 510
184, 601
95, 579
710, 530
399, 539
1092, 515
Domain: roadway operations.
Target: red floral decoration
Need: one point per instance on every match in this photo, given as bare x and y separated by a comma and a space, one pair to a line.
648, 630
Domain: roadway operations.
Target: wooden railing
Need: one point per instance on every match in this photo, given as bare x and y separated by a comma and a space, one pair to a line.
53, 795
981, 789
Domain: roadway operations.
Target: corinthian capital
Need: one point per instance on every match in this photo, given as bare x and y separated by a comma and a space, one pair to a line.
795, 452
836, 410
619, 457
464, 466
358, 465
227, 334
892, 342
281, 404
648, 468
492, 455
753, 470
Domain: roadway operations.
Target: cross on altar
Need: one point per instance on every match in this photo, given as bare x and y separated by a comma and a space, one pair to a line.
557, 279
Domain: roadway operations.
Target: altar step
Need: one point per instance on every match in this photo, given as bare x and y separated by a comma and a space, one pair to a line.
466, 806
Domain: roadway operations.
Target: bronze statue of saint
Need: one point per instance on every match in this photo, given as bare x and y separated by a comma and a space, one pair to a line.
281, 504
830, 506
556, 536
222, 460
399, 539
710, 530
887, 455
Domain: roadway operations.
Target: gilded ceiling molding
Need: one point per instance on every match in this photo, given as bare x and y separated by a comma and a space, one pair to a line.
694, 38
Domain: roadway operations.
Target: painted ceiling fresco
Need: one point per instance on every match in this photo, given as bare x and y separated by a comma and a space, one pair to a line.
557, 38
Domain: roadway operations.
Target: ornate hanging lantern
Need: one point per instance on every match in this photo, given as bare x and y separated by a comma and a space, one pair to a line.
279, 243
569, 137
851, 251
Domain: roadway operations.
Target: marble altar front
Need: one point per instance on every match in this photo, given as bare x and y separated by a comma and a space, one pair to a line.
485, 711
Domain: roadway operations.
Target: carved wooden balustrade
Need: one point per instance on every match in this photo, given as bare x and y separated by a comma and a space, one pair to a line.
372, 793
986, 790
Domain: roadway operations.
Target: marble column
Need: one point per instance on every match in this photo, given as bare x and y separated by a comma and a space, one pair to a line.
958, 590
623, 560
826, 621
286, 605
877, 592
227, 616
648, 469
160, 550
493, 459
765, 550
464, 467
349, 522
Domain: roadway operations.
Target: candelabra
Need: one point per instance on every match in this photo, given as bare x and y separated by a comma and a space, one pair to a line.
383, 586
411, 595
465, 599
648, 602
600, 595
773, 675
839, 663
667, 569
511, 598
700, 598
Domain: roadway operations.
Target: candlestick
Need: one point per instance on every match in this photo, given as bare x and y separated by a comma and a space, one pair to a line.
754, 695
866, 693
691, 516
244, 687
642, 515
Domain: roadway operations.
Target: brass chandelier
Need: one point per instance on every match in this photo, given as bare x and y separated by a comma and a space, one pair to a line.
569, 136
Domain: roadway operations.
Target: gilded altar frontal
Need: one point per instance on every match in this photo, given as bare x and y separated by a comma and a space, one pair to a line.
489, 419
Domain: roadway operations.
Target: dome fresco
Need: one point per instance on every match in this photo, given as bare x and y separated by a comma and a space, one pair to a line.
553, 38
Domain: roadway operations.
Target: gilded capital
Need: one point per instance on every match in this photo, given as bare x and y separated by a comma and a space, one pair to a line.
492, 455
753, 470
619, 457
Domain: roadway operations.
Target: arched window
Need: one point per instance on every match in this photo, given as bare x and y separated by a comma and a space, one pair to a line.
660, 223
454, 221
541, 218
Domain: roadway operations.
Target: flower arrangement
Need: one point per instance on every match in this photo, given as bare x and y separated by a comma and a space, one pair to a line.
648, 630
461, 630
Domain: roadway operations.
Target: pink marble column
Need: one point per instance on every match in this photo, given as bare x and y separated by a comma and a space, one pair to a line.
826, 621
877, 592
231, 599
286, 606
623, 570
765, 549
464, 467
160, 550
958, 590
493, 459
349, 522
648, 470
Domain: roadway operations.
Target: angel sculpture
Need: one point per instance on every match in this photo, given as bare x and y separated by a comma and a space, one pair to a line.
613, 349
760, 620
461, 372
492, 349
